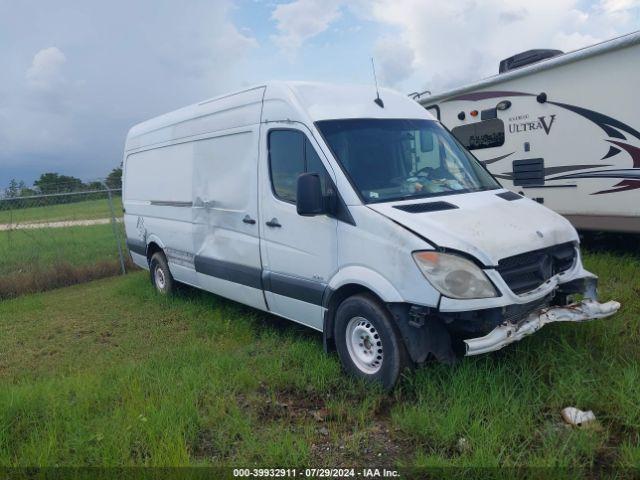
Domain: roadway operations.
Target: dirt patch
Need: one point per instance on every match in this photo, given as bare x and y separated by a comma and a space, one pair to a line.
204, 447
338, 441
287, 405
60, 224
376, 445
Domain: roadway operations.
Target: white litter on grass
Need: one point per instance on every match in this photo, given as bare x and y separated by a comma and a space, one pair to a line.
463, 445
574, 416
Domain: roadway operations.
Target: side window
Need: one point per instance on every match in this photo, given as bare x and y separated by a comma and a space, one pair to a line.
290, 154
286, 162
485, 134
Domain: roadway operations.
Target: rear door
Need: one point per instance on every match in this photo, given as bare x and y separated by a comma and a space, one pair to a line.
299, 253
225, 212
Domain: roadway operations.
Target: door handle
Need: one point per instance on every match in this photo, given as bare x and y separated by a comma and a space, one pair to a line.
273, 223
249, 220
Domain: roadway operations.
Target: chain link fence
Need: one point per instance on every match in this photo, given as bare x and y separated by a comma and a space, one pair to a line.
55, 240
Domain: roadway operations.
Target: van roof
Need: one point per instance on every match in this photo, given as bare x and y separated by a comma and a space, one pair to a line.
296, 101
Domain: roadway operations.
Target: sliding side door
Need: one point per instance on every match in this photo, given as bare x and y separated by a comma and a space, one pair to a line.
225, 213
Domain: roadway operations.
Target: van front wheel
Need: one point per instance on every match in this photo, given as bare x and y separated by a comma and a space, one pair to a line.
368, 345
160, 274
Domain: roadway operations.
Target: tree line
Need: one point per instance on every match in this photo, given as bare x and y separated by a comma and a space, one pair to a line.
50, 183
18, 195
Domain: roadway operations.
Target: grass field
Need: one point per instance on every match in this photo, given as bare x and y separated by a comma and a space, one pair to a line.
108, 373
33, 260
24, 250
85, 210
38, 249
38, 259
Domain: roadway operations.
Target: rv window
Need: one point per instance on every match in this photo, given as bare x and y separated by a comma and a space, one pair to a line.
290, 154
478, 135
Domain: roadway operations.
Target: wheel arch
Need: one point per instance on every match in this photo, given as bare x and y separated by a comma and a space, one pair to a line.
331, 302
152, 249
422, 339
154, 244
346, 283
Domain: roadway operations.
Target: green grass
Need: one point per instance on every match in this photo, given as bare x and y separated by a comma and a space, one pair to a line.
84, 210
108, 373
35, 260
38, 259
33, 250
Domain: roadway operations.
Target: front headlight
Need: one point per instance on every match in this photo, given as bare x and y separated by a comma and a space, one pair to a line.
454, 276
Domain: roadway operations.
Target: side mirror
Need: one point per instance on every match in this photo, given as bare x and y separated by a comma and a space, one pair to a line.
310, 201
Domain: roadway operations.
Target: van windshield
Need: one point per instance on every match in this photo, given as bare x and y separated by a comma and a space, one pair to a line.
397, 159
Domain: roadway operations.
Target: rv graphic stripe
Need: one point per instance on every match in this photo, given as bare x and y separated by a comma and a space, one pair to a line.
489, 161
633, 151
612, 151
553, 170
612, 127
608, 124
627, 173
623, 186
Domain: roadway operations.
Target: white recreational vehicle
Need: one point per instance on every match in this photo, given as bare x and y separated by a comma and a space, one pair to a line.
356, 215
560, 128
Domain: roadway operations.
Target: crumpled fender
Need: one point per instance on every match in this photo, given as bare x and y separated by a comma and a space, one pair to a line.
368, 278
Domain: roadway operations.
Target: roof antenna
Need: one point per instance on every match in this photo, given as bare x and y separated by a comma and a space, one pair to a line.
378, 101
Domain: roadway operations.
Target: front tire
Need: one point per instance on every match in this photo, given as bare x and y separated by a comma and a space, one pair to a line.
367, 341
161, 277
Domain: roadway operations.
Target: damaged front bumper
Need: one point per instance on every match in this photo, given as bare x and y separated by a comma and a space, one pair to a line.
508, 333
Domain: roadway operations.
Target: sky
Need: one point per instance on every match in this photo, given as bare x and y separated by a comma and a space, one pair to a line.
76, 75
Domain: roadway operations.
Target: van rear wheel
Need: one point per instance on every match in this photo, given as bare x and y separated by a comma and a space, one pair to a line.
161, 277
368, 343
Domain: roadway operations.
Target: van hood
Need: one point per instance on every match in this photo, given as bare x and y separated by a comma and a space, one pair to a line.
483, 224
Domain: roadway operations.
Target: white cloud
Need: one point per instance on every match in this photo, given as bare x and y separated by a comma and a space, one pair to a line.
301, 20
619, 11
618, 5
509, 16
71, 104
460, 41
68, 107
37, 118
394, 59
575, 40
45, 71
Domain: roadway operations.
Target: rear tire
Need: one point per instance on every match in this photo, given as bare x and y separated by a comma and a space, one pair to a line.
367, 341
161, 277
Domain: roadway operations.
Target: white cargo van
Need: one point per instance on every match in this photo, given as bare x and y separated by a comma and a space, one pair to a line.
360, 217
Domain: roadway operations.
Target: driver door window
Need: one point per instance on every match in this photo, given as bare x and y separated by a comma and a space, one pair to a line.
291, 154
